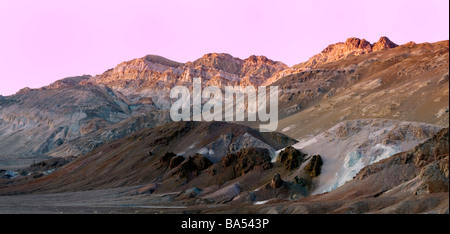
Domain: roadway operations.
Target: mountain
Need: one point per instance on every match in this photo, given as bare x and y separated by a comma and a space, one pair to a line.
407, 83
355, 73
352, 137
351, 47
148, 77
71, 112
361, 81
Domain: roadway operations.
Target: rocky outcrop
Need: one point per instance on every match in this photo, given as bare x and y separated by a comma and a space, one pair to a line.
175, 161
247, 159
332, 53
383, 43
192, 166
259, 68
167, 157
314, 166
434, 177
276, 182
291, 158
219, 139
341, 50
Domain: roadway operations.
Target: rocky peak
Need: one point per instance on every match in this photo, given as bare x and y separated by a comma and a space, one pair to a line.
383, 43
24, 90
219, 61
67, 82
253, 59
341, 50
253, 66
261, 66
161, 60
291, 158
358, 44
223, 56
351, 45
276, 182
148, 69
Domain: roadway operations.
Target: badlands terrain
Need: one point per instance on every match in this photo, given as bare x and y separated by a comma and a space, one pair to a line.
363, 128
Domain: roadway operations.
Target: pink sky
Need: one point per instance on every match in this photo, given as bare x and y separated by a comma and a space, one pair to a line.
43, 41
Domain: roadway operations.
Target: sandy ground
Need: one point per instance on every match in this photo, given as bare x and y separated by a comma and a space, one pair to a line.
120, 200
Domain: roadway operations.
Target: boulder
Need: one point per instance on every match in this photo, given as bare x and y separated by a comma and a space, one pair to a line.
276, 181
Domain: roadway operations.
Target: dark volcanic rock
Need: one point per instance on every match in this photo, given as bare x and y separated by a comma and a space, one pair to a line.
291, 158
247, 159
167, 157
301, 181
192, 166
175, 161
276, 181
314, 166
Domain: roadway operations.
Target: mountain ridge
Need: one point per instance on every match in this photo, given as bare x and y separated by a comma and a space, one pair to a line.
340, 50
254, 70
